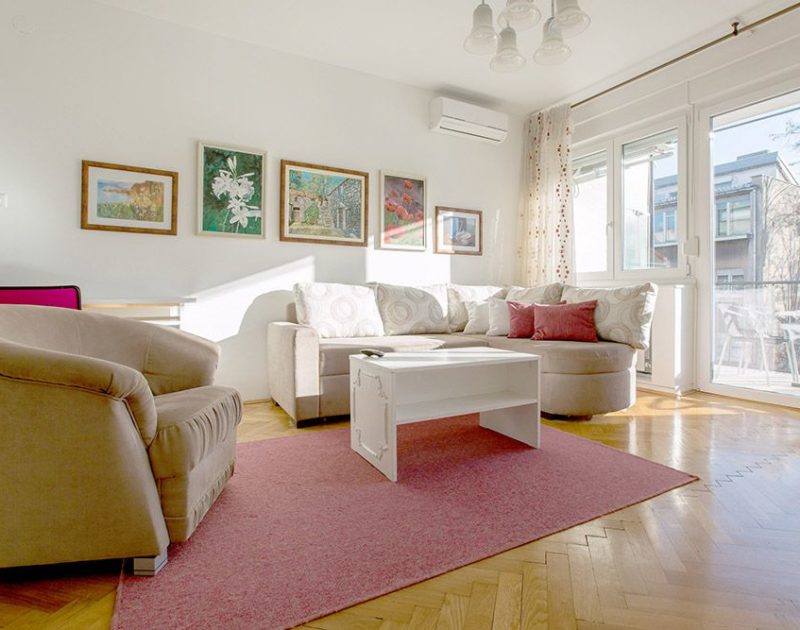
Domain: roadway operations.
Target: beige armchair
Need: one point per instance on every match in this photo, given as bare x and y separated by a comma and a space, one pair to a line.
113, 440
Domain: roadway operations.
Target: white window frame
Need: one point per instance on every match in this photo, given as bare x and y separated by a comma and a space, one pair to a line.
681, 124
613, 144
703, 201
585, 150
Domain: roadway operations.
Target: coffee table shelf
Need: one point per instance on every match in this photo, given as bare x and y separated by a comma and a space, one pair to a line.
448, 407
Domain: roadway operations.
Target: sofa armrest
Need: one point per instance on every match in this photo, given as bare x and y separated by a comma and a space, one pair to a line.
293, 368
59, 369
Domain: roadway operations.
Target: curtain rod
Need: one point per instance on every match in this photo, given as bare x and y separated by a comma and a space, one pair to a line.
736, 29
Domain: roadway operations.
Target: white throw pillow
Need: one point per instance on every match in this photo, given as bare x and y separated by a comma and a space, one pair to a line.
623, 314
545, 294
413, 310
338, 310
478, 318
459, 294
499, 319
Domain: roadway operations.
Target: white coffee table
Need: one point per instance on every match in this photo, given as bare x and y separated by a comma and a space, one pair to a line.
403, 387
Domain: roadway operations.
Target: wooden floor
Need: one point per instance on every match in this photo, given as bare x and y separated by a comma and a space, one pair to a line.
723, 552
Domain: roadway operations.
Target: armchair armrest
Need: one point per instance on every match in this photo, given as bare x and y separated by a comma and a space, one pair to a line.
293, 368
47, 367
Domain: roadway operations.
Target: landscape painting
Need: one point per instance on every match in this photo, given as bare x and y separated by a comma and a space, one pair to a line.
322, 204
123, 198
458, 231
403, 212
231, 191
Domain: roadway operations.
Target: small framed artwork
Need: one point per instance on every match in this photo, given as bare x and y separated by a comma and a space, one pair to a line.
123, 198
403, 211
323, 204
231, 191
458, 231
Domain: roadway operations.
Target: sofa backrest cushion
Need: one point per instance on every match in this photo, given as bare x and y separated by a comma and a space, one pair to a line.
623, 314
338, 310
413, 310
459, 294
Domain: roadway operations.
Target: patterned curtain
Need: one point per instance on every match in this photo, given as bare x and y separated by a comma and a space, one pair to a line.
546, 250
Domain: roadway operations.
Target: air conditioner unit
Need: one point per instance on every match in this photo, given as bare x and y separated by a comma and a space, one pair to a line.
470, 121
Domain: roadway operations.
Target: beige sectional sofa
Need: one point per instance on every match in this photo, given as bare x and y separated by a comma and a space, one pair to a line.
308, 363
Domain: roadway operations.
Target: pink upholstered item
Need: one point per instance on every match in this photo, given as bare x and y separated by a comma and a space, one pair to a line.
521, 320
307, 527
565, 322
62, 297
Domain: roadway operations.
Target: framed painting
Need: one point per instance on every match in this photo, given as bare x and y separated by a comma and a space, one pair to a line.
123, 198
323, 204
458, 231
403, 211
231, 190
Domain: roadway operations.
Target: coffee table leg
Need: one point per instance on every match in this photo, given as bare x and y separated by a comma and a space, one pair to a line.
519, 423
373, 432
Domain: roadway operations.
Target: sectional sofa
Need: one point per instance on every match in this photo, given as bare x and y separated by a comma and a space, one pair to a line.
308, 353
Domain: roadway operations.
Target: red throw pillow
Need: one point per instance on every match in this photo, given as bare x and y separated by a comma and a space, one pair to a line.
521, 319
565, 322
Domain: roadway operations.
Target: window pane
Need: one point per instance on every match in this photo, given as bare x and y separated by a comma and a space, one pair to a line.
590, 209
650, 191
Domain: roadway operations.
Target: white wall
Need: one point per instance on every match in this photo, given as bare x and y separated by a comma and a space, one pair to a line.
92, 82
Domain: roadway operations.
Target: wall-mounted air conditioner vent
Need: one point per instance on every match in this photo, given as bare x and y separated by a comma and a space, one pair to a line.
467, 120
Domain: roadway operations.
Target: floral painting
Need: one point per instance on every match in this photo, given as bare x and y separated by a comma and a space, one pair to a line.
458, 231
323, 204
403, 212
231, 193
128, 198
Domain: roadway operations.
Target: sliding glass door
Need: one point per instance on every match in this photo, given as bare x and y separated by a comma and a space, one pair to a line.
754, 243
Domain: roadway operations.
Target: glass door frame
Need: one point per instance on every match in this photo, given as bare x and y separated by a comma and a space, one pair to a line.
702, 202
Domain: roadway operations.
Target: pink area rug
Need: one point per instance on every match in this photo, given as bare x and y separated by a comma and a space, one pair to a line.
306, 527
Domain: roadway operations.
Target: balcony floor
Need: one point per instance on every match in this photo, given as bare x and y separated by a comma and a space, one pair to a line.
779, 382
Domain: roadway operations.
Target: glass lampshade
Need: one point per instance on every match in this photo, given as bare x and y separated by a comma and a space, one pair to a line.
552, 50
482, 40
570, 18
508, 57
520, 14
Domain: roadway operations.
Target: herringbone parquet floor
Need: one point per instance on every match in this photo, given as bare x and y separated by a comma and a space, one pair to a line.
723, 552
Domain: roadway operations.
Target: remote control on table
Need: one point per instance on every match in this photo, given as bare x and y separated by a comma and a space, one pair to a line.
372, 352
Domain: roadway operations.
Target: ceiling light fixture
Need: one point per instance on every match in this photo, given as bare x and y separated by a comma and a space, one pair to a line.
482, 40
552, 50
566, 20
520, 14
570, 18
508, 57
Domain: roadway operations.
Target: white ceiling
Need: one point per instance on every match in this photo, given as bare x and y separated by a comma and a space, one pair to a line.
419, 42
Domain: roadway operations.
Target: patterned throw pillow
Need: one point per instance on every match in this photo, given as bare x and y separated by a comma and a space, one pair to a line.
623, 314
413, 310
338, 310
545, 294
459, 294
